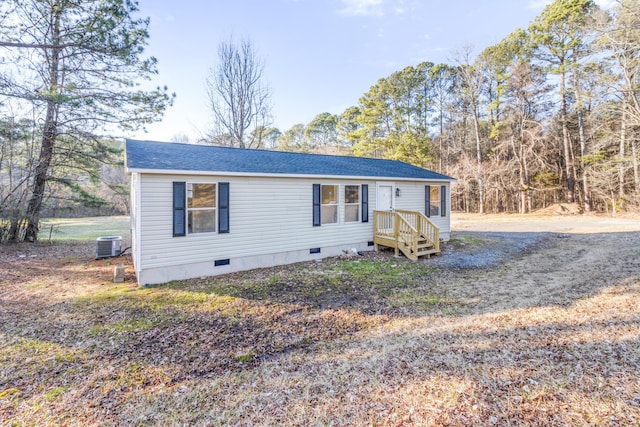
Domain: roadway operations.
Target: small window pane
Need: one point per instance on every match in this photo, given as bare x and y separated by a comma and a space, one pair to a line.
351, 203
352, 194
329, 194
352, 213
329, 214
329, 202
435, 200
202, 196
203, 221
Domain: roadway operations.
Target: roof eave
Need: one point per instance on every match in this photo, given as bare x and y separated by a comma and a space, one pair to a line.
279, 175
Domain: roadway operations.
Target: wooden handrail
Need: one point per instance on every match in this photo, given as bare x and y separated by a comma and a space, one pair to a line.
406, 234
430, 231
404, 229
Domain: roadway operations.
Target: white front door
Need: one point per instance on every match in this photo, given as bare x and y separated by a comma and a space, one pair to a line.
384, 197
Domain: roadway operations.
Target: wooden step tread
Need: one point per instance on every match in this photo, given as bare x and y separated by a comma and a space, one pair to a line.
427, 252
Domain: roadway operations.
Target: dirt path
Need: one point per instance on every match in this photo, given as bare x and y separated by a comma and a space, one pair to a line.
545, 260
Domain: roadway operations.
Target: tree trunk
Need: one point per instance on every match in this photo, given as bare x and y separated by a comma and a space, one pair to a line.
15, 223
49, 135
527, 181
476, 125
636, 168
586, 199
42, 170
441, 121
613, 203
621, 153
585, 178
518, 152
566, 142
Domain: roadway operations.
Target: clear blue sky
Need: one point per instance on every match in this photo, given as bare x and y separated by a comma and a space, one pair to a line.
319, 55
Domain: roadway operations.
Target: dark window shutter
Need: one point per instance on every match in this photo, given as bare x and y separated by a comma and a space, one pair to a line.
316, 205
179, 201
427, 200
365, 203
223, 207
443, 200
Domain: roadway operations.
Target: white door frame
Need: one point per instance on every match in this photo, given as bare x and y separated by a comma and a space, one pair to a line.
393, 196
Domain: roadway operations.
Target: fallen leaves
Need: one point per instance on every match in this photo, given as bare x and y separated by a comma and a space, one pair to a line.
544, 338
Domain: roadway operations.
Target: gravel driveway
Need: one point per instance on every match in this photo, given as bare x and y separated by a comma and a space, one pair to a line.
479, 241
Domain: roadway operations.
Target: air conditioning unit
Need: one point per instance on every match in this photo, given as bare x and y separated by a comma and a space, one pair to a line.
108, 246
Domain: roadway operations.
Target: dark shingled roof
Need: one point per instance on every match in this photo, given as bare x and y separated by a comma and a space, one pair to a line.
152, 155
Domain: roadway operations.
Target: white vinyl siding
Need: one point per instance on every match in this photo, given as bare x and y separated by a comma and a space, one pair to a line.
267, 216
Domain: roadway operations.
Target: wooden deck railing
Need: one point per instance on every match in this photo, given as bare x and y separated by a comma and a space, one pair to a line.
384, 223
406, 231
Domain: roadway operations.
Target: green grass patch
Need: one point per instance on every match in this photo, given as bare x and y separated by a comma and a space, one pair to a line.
33, 355
361, 283
381, 270
53, 394
6, 394
177, 298
416, 298
134, 375
83, 229
465, 240
246, 357
112, 293
35, 347
138, 325
149, 306
364, 268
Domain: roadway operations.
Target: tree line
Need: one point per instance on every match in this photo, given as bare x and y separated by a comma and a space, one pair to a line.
549, 114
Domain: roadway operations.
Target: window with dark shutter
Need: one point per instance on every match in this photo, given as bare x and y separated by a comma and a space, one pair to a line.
179, 200
365, 203
316, 205
443, 200
223, 206
427, 200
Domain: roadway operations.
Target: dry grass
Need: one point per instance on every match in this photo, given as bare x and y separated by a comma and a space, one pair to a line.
549, 337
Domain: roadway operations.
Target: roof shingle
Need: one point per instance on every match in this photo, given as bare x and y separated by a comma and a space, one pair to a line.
151, 155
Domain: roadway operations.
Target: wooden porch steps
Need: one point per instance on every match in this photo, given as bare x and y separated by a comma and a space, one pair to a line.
424, 249
409, 232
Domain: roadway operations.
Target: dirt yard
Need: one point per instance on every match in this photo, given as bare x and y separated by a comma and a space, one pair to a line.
523, 320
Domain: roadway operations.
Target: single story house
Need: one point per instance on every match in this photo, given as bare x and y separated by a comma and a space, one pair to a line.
201, 210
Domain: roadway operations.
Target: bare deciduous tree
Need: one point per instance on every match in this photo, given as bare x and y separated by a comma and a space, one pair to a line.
238, 96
